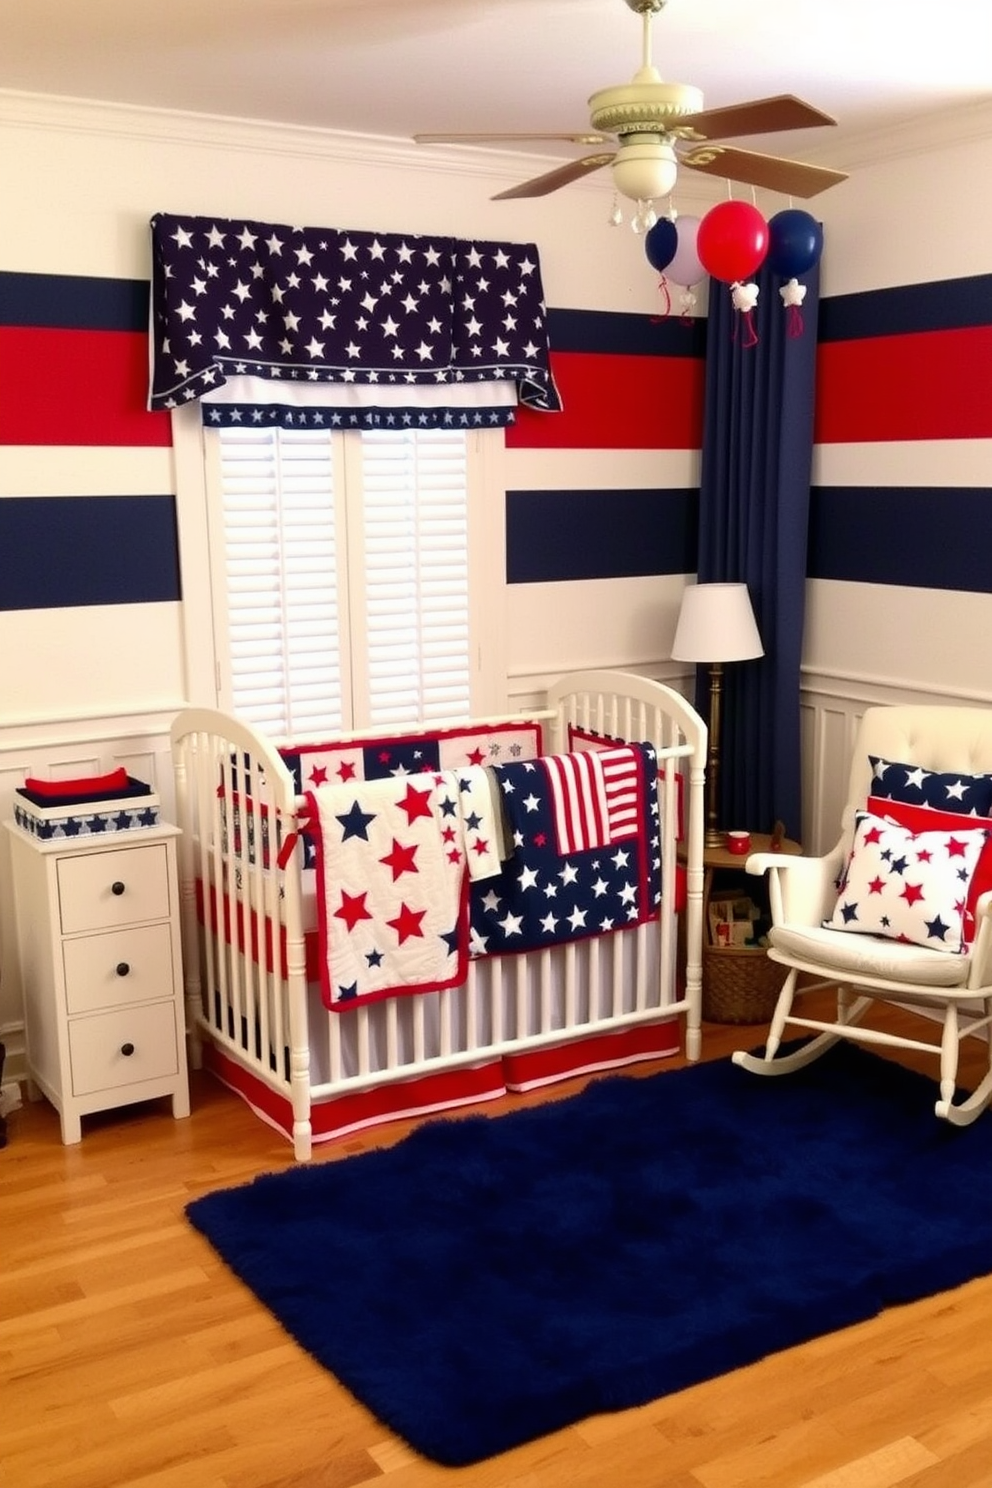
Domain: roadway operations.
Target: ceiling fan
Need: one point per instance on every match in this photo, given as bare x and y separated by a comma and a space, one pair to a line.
661, 126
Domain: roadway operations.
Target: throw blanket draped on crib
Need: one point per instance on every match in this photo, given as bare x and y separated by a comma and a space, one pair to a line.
393, 861
586, 850
410, 880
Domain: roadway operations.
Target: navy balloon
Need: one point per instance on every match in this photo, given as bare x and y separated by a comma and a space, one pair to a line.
660, 243
795, 242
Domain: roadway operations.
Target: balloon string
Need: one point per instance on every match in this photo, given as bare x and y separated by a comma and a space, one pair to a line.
751, 339
794, 321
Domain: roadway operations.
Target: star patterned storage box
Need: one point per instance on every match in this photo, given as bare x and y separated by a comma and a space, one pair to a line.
100, 805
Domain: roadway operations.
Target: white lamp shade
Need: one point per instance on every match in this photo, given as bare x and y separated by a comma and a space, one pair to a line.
716, 623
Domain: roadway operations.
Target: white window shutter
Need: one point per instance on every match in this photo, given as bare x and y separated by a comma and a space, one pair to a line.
283, 585
347, 579
415, 575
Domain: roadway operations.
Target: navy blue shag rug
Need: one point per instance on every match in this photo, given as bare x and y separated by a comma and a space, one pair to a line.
489, 1280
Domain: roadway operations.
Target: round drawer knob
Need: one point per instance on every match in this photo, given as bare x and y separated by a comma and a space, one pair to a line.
122, 968
127, 1050
117, 887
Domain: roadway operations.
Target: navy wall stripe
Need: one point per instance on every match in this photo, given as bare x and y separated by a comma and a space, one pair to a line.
923, 537
557, 535
73, 302
61, 551
948, 304
81, 302
606, 331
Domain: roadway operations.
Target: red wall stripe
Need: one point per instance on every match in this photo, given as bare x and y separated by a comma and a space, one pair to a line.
923, 385
77, 387
618, 402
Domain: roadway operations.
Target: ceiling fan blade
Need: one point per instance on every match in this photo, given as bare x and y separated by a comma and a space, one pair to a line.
762, 116
790, 177
562, 175
475, 139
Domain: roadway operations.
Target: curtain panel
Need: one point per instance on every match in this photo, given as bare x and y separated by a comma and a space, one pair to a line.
328, 327
753, 520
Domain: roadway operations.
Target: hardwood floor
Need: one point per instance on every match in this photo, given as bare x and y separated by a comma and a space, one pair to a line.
130, 1356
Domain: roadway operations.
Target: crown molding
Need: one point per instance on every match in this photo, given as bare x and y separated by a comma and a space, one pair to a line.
971, 123
44, 111
173, 126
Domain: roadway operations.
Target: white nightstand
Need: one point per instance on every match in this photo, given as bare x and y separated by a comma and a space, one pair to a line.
101, 968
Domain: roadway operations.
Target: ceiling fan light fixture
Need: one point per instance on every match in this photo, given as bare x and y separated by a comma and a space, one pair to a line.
645, 170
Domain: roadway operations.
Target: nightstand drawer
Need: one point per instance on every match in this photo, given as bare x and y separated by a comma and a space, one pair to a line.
111, 1050
118, 967
101, 889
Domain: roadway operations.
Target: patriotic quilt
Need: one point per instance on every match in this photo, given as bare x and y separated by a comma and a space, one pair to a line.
394, 857
358, 760
586, 850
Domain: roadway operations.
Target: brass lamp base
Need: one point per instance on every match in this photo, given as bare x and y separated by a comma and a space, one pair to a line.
713, 837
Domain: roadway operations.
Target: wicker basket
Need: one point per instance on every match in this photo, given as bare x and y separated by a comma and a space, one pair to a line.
740, 984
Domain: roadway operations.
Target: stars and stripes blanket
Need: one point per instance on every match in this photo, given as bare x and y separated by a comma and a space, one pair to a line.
416, 873
586, 850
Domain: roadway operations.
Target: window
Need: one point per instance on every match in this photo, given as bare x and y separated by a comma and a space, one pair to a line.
347, 587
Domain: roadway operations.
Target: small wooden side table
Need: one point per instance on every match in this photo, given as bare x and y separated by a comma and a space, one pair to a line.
740, 984
719, 857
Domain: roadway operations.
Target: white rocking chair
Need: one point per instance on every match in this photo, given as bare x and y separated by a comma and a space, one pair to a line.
954, 990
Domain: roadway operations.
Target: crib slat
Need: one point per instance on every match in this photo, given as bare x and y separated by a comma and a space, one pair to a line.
544, 978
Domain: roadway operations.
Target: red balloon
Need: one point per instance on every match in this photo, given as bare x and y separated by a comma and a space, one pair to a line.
732, 241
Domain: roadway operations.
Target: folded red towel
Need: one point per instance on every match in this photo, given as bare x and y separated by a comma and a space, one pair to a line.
97, 784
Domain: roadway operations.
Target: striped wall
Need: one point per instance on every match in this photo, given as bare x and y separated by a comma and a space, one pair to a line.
90, 579
907, 368
602, 500
900, 543
628, 383
902, 367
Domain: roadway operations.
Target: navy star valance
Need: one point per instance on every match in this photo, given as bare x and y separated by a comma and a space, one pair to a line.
315, 326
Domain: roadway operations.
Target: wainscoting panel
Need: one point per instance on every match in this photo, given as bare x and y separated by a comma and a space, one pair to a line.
831, 711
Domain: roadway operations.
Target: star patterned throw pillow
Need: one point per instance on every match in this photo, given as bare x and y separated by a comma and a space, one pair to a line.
971, 795
909, 886
926, 819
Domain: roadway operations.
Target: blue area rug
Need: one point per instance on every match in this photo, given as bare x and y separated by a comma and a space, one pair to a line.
489, 1280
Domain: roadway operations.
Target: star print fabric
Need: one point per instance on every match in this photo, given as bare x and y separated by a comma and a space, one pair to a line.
354, 760
586, 851
908, 886
943, 790
423, 331
391, 886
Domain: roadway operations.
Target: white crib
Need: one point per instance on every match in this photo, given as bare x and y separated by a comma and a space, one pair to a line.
252, 944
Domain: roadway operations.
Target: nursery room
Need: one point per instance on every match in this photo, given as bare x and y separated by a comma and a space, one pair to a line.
485, 613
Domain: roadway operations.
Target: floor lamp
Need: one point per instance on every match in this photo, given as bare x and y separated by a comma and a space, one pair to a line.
716, 624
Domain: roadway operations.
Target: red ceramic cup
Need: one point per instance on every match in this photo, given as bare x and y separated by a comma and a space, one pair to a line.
738, 843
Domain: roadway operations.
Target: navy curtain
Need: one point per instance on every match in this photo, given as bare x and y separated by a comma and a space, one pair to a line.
753, 520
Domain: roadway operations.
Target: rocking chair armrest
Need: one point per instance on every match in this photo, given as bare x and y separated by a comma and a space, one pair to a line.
801, 890
980, 972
